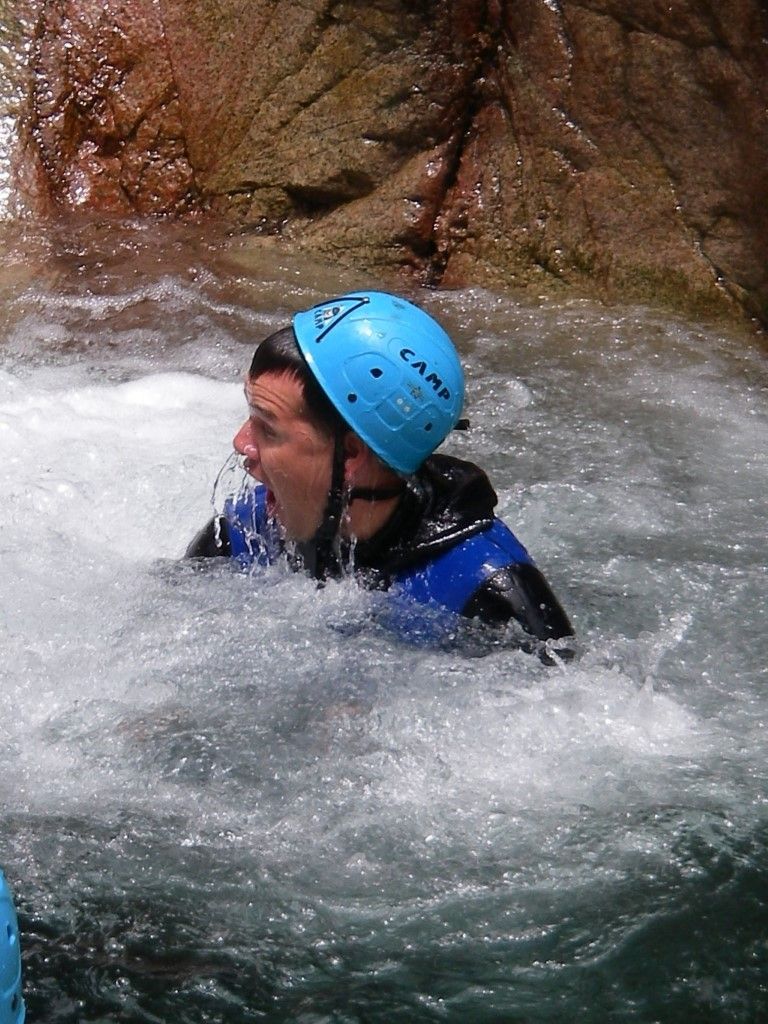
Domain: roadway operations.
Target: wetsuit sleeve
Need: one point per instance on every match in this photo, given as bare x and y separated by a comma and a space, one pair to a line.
211, 541
520, 592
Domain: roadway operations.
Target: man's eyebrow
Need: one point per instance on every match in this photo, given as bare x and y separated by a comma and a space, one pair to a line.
254, 407
261, 412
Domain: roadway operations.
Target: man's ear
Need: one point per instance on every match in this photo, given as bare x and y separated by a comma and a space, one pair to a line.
356, 454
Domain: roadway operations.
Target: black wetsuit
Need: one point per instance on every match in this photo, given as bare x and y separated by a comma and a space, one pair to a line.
451, 501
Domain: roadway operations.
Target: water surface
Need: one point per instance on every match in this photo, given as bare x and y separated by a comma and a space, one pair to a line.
234, 799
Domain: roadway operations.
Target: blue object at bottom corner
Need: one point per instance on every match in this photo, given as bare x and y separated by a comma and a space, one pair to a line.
12, 1009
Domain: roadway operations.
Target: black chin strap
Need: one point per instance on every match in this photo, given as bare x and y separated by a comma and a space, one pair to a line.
321, 556
373, 493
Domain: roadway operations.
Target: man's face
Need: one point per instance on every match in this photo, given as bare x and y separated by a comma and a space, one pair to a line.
286, 452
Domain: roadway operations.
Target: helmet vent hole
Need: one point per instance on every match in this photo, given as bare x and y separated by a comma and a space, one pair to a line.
377, 372
352, 397
427, 426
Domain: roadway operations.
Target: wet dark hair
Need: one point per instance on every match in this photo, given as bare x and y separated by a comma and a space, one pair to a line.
280, 353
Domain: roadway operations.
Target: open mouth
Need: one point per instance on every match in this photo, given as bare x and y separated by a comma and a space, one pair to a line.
249, 465
271, 504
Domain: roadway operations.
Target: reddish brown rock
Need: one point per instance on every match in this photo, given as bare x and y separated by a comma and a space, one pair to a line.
105, 113
609, 146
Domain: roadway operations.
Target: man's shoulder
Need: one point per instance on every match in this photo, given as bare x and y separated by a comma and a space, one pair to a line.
455, 475
457, 502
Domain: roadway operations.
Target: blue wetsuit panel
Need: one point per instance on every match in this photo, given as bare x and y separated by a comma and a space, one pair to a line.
452, 578
252, 538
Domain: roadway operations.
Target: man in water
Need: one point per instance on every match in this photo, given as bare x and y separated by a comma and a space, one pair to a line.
346, 408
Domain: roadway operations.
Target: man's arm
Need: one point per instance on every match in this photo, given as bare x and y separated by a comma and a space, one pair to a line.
520, 592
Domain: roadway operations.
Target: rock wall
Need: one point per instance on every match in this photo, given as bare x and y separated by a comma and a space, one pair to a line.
617, 147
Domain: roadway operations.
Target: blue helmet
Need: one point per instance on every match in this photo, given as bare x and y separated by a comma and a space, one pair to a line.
388, 368
11, 1004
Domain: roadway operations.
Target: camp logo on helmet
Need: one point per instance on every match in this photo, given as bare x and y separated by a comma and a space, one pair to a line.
420, 365
322, 316
328, 314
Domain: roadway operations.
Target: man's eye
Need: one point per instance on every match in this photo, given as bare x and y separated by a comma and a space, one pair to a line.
265, 429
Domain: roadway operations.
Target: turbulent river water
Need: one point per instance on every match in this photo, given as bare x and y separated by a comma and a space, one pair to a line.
235, 799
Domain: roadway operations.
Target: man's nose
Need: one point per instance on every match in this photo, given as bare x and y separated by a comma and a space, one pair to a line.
243, 442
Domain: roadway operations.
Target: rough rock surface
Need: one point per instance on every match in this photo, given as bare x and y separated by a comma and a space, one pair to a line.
609, 146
